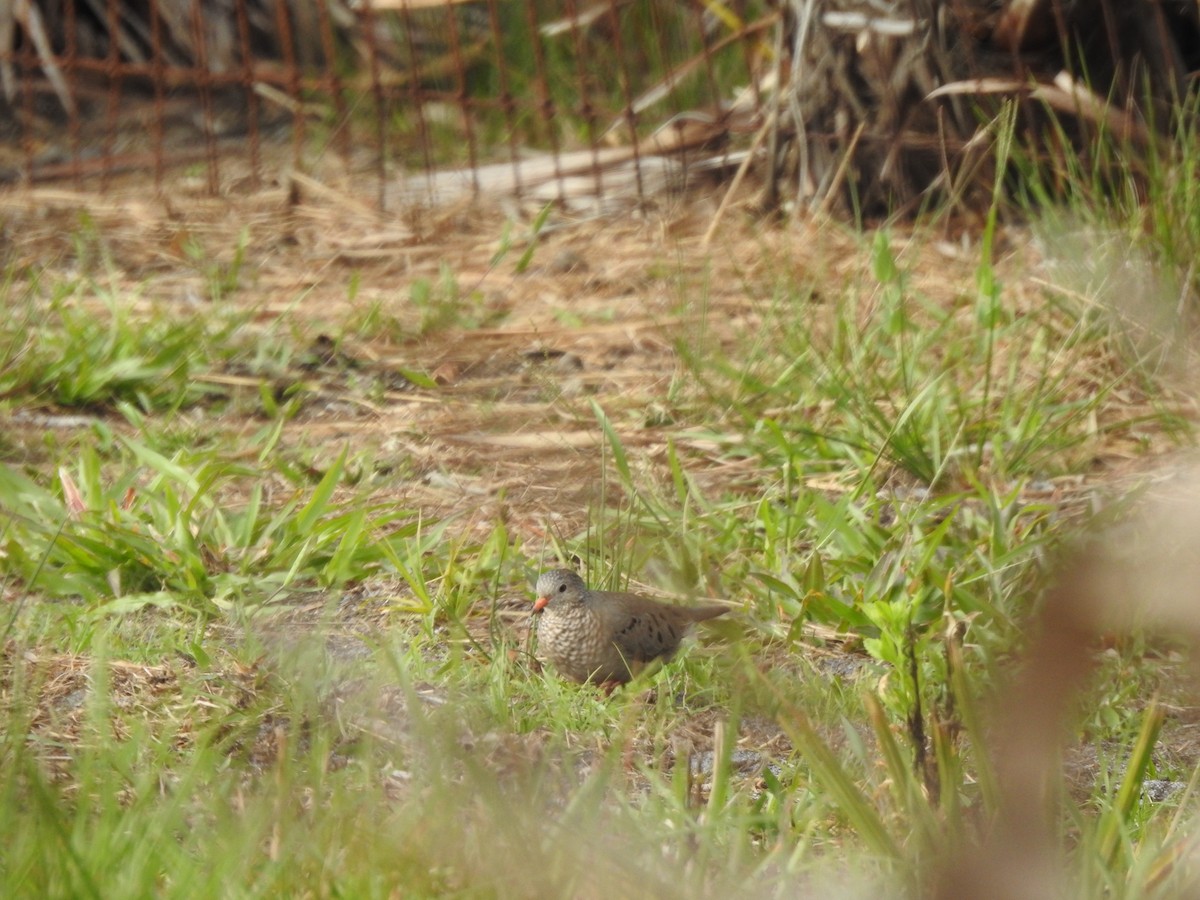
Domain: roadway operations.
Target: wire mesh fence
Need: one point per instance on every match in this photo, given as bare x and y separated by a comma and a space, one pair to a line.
864, 104
429, 97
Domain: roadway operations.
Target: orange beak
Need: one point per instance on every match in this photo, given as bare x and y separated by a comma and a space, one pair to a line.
540, 604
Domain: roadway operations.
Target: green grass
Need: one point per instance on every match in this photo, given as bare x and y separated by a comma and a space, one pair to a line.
234, 663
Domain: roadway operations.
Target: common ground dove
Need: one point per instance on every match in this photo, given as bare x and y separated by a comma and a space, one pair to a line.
606, 636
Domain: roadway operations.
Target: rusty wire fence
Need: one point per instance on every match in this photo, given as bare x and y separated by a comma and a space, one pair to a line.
430, 99
865, 106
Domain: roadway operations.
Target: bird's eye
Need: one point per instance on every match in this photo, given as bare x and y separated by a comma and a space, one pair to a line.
561, 588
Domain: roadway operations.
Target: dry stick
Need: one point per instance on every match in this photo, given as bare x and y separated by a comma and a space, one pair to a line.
771, 194
840, 175
803, 173
27, 14
737, 180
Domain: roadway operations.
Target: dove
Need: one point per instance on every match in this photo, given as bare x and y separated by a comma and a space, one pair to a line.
607, 636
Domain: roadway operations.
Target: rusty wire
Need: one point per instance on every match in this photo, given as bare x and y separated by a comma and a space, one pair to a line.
549, 99
159, 85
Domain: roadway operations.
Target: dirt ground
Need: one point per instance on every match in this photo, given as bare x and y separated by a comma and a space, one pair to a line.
508, 429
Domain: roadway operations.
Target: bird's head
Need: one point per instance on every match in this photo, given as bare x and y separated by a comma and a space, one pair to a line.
558, 584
